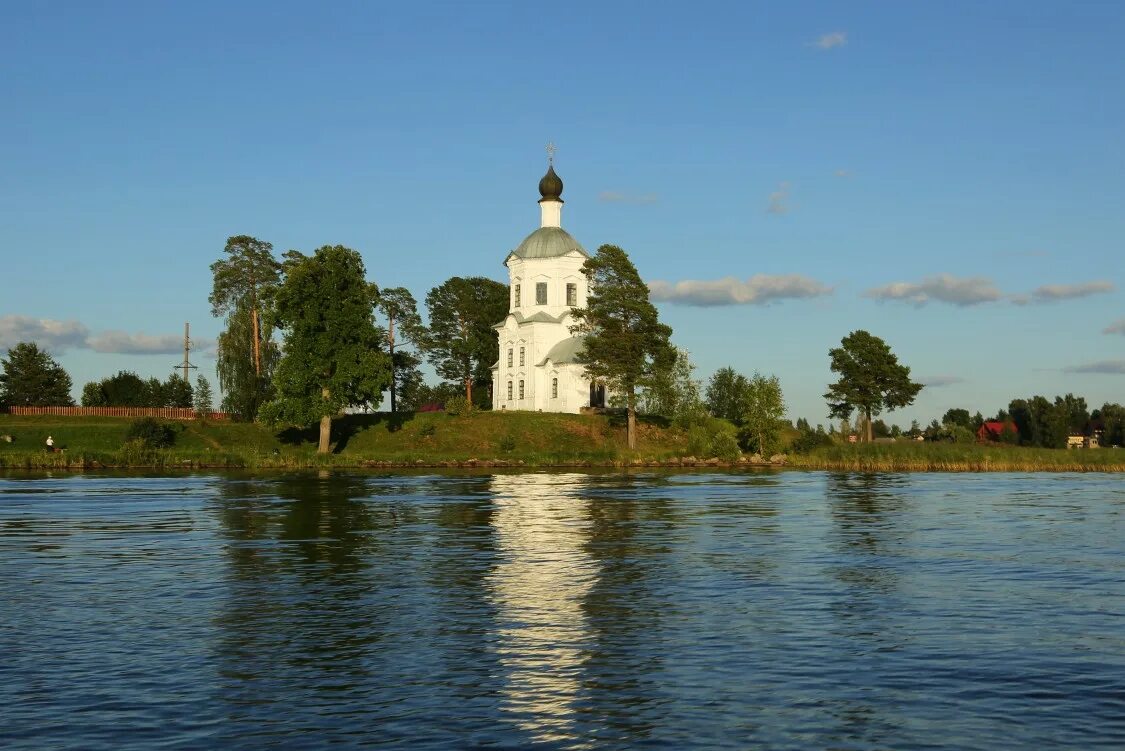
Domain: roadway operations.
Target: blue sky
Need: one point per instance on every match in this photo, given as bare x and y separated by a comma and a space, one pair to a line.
948, 176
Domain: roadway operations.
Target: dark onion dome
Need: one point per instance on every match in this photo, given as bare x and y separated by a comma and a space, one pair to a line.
550, 187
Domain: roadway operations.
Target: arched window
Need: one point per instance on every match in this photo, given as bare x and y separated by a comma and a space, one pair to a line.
521, 357
572, 294
510, 358
516, 295
541, 293
554, 388
521, 389
509, 391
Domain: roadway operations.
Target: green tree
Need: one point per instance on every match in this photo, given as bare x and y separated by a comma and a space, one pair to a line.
404, 327
762, 409
460, 342
957, 417
30, 377
93, 395
1111, 418
625, 344
332, 356
1073, 409
406, 380
871, 379
202, 402
247, 277
124, 389
1049, 422
177, 392
153, 393
725, 393
673, 392
244, 391
1020, 413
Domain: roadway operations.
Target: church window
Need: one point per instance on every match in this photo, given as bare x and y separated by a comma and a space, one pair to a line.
521, 357
517, 296
509, 358
554, 388
541, 293
509, 391
572, 295
521, 389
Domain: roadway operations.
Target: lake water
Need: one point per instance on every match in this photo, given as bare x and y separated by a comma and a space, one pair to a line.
790, 610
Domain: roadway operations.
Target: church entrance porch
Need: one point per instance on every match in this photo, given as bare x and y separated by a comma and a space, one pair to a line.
597, 394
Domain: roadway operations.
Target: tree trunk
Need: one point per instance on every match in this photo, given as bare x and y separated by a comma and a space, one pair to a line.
867, 429
392, 345
257, 347
631, 421
325, 428
469, 389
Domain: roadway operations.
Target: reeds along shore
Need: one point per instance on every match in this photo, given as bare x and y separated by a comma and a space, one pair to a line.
483, 440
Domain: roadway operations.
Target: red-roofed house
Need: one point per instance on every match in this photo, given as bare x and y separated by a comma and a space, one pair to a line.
993, 430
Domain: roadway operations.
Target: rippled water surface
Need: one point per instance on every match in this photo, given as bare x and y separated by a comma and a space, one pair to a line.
790, 610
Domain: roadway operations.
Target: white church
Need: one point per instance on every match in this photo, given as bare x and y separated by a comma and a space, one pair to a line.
537, 369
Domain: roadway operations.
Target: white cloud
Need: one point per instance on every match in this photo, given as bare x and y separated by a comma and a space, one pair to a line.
1117, 327
940, 380
1107, 367
609, 196
843, 173
122, 343
778, 203
961, 291
831, 39
759, 289
59, 336
55, 336
1054, 292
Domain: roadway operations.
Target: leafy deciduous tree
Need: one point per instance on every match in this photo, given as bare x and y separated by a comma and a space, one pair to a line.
30, 377
332, 356
244, 391
762, 407
625, 344
460, 342
871, 379
725, 392
673, 392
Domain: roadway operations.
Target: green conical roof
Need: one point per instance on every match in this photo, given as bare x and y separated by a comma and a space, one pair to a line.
548, 242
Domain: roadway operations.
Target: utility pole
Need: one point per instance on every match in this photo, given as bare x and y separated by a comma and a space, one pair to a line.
186, 364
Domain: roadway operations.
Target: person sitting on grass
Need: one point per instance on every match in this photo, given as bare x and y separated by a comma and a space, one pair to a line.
50, 444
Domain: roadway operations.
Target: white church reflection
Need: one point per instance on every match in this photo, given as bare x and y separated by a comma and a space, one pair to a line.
542, 527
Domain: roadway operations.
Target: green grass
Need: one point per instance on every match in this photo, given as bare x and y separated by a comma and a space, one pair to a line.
950, 457
516, 438
513, 437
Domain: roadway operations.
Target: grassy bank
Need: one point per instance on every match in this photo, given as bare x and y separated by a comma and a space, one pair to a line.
947, 457
482, 439
530, 439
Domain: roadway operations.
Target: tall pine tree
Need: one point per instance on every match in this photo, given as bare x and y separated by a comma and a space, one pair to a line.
624, 345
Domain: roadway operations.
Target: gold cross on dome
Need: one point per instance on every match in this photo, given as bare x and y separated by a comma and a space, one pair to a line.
551, 149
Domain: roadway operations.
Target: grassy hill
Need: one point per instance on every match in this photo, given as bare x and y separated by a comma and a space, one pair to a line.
496, 438
428, 437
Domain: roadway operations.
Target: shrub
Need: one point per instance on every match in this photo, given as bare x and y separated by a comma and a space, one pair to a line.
428, 430
508, 443
458, 406
809, 440
150, 433
724, 445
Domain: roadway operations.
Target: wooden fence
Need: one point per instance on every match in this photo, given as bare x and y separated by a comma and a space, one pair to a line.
166, 413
